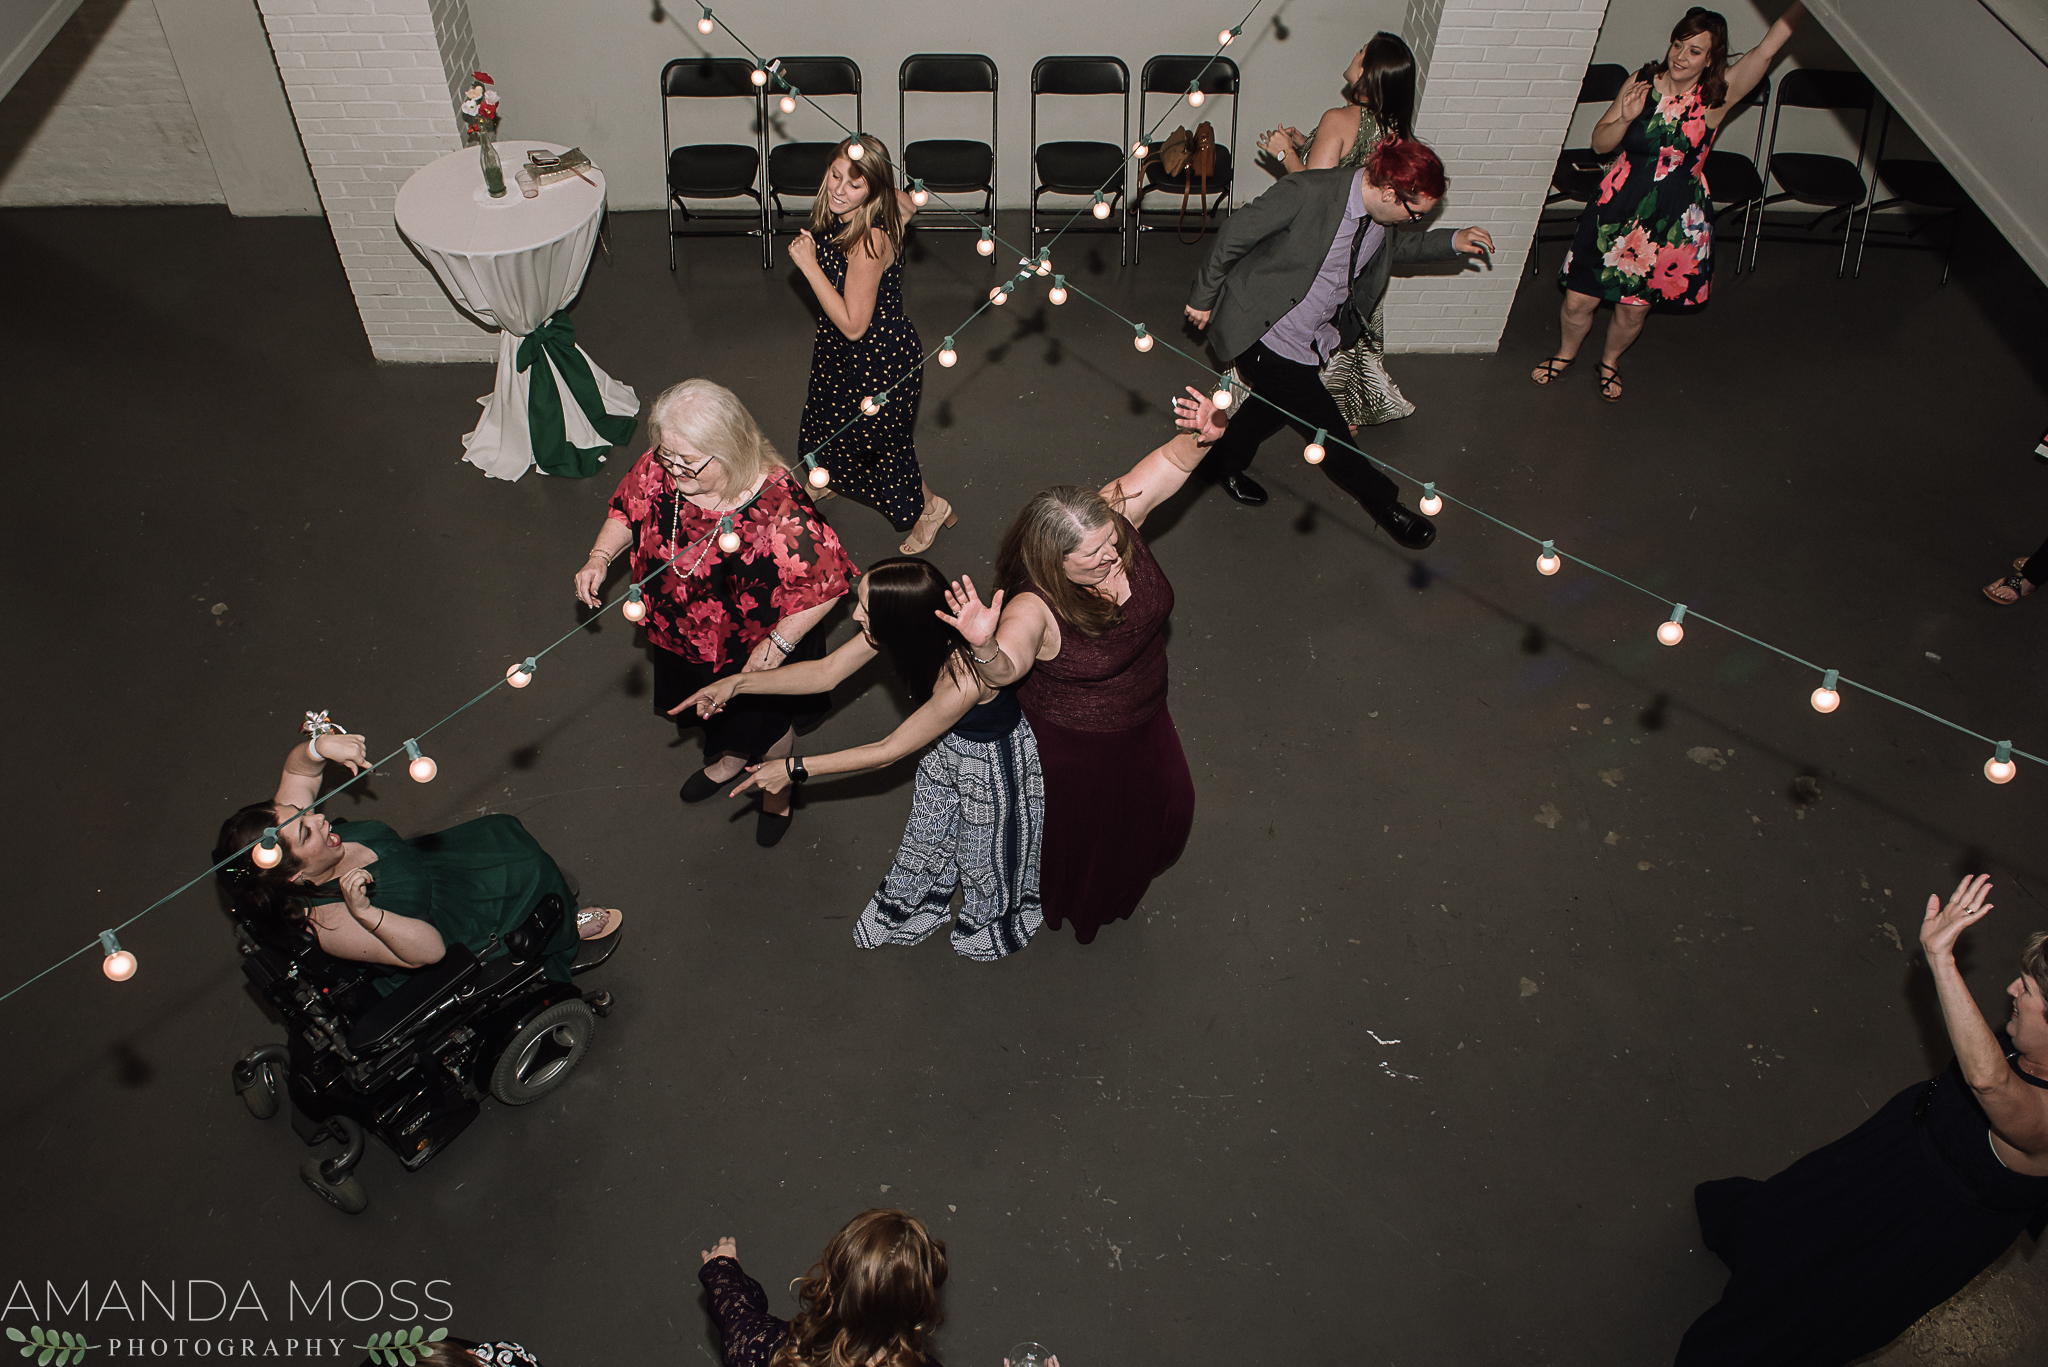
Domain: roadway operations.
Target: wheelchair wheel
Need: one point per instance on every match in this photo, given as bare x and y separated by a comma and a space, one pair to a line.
540, 1057
261, 1095
346, 1196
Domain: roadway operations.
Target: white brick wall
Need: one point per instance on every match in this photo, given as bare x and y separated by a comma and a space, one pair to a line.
371, 84
102, 117
1502, 83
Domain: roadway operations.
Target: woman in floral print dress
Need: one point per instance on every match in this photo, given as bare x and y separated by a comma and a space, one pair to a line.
1647, 238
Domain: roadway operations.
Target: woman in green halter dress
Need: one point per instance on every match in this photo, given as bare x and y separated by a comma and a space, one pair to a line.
1379, 102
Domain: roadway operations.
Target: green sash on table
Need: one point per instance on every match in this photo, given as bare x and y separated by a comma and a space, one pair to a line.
556, 341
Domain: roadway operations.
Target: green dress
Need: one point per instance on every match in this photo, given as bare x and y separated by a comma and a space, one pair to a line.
1357, 378
470, 882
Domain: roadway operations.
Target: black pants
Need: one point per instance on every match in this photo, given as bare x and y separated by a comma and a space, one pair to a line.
1298, 389
2035, 570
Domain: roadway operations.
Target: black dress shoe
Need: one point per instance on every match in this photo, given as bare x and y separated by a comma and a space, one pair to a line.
1411, 529
769, 829
1245, 490
699, 786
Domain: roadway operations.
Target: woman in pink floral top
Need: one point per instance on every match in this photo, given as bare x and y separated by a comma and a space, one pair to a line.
714, 612
1648, 237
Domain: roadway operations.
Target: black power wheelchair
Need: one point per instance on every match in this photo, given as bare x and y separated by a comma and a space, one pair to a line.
411, 1068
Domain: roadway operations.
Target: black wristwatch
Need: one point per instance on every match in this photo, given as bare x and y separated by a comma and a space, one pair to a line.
797, 773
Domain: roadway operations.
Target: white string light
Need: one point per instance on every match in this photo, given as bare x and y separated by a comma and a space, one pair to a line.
1825, 698
1432, 502
856, 149
1673, 631
789, 100
1195, 95
987, 245
819, 476
1140, 150
266, 854
635, 606
1043, 267
707, 23
1223, 38
919, 195
873, 404
728, 537
759, 77
520, 675
948, 357
1143, 341
1101, 206
421, 767
1000, 294
1222, 397
1058, 293
1314, 452
118, 964
2000, 768
1548, 562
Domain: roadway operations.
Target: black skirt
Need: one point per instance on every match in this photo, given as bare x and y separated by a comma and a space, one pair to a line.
751, 722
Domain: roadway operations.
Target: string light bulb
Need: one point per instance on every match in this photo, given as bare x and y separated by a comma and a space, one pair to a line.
987, 245
819, 476
1044, 264
1101, 207
1223, 38
118, 964
872, 406
635, 608
1673, 631
1826, 698
789, 101
707, 23
1140, 149
2000, 768
421, 767
1432, 502
1195, 95
856, 149
521, 674
1000, 295
1143, 341
919, 195
1314, 452
1222, 397
1548, 563
759, 77
1058, 293
266, 854
728, 538
948, 357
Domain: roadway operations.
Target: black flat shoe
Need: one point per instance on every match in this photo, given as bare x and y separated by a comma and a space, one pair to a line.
770, 829
1245, 490
1410, 528
698, 786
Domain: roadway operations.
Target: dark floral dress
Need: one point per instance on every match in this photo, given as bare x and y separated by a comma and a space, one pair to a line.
874, 460
1646, 239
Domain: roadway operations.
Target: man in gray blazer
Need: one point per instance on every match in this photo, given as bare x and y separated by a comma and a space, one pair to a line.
1290, 281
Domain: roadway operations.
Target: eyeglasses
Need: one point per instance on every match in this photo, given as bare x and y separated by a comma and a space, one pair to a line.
1415, 215
676, 466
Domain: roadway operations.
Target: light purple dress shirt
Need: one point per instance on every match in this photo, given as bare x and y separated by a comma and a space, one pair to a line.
1308, 334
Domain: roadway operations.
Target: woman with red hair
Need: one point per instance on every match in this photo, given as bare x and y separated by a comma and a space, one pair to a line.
1648, 238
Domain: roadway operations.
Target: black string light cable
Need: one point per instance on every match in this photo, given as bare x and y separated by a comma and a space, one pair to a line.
120, 964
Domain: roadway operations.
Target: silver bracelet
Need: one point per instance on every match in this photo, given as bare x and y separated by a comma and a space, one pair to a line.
596, 554
786, 647
991, 659
313, 749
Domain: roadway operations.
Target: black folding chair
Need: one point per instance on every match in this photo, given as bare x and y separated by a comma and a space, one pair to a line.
1926, 183
1576, 177
1081, 168
711, 170
1173, 75
1733, 182
950, 166
1833, 184
798, 168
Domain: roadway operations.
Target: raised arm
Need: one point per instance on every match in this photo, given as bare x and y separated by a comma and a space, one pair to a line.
2018, 1113
1160, 475
299, 784
811, 676
949, 702
1635, 92
1743, 76
1003, 641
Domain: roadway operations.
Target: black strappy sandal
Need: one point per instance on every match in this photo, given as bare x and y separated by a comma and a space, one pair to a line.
1610, 379
1552, 368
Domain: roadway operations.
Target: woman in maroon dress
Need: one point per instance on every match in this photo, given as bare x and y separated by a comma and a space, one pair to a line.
1084, 629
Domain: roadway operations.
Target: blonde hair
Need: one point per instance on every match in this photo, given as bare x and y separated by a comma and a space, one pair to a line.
879, 210
1049, 528
713, 421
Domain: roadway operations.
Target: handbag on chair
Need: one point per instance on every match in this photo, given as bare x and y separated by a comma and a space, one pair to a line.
1184, 156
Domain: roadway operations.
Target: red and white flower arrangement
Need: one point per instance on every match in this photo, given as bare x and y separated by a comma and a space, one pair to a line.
479, 105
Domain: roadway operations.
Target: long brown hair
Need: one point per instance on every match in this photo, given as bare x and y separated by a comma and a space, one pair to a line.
1385, 87
1714, 80
875, 1289
1049, 527
905, 594
879, 210
266, 895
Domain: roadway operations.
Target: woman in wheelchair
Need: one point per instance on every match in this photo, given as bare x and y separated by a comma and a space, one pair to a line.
366, 894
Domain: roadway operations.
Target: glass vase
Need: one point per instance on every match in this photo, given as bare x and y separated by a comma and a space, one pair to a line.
494, 171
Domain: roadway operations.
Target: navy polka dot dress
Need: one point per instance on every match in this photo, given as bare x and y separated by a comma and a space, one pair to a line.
875, 459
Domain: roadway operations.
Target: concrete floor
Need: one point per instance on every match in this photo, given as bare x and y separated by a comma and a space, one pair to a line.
1432, 1093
